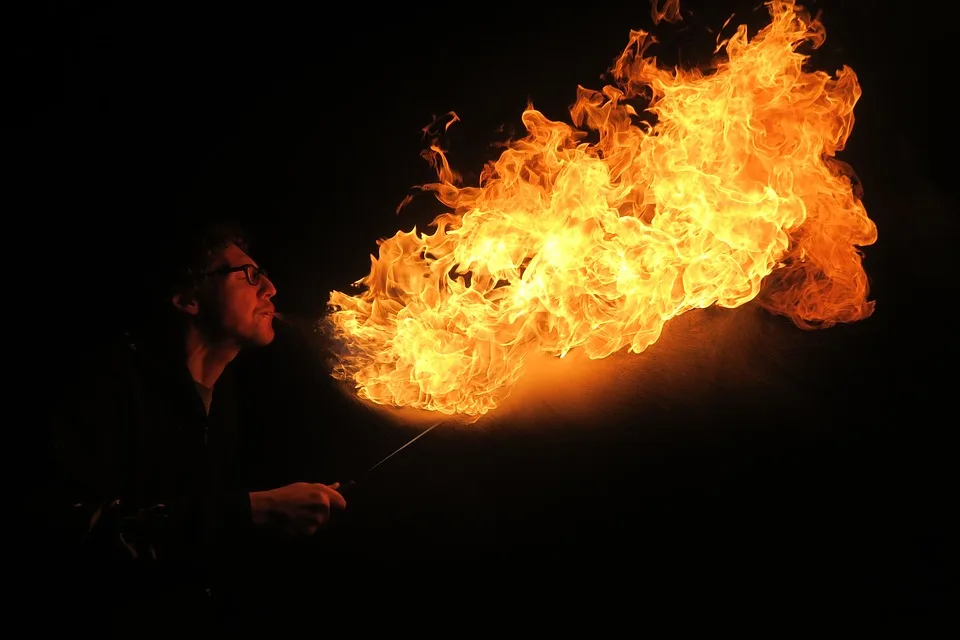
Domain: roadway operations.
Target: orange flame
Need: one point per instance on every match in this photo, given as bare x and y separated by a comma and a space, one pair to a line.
668, 10
567, 244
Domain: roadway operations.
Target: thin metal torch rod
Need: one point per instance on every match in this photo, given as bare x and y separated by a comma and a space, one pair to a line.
418, 436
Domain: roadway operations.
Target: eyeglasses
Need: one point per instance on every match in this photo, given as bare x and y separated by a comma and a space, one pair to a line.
251, 271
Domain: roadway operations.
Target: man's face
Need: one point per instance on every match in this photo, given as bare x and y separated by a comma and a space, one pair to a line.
232, 309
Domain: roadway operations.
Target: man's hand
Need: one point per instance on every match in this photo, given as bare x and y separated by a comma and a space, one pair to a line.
298, 509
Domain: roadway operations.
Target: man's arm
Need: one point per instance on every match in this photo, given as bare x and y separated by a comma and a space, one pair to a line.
94, 434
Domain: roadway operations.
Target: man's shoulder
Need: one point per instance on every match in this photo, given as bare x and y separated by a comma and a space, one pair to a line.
119, 357
95, 378
119, 352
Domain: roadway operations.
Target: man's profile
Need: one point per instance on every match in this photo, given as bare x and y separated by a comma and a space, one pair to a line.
150, 489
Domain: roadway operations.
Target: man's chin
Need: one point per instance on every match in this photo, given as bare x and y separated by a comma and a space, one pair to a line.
259, 339
265, 338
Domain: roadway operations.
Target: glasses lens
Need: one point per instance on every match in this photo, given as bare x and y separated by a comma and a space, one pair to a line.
253, 274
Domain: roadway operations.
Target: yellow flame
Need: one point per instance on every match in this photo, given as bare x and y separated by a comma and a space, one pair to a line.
567, 244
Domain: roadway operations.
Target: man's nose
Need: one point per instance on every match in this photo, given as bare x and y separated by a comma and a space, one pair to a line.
267, 290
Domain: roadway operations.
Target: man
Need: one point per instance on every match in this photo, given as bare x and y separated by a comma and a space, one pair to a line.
151, 493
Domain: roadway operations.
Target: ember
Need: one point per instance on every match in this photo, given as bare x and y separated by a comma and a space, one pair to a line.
733, 195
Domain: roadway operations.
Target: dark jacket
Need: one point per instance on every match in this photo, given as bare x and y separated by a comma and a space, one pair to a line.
147, 491
133, 429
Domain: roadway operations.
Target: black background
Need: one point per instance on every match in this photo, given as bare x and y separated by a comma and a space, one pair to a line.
744, 453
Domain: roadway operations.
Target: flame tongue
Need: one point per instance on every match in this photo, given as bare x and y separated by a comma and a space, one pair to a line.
567, 244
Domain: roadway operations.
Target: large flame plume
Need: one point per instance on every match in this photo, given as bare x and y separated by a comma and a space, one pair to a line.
734, 194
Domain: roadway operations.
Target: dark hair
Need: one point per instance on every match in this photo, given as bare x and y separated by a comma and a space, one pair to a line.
193, 250
175, 254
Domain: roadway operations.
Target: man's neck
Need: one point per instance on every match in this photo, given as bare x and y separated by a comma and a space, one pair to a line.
206, 360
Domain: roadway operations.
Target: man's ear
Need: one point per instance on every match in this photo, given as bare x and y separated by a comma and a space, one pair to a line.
186, 302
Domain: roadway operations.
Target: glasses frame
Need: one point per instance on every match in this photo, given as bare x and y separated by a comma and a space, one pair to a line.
252, 272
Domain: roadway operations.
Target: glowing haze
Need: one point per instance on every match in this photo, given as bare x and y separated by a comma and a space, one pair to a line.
732, 195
